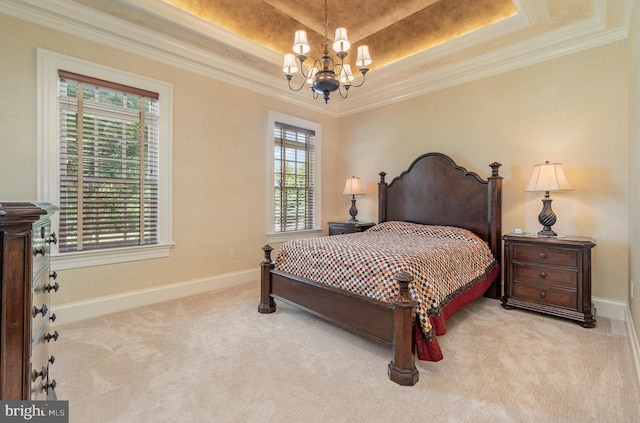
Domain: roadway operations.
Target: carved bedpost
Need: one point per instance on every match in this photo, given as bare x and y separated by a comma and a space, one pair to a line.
402, 369
495, 231
382, 198
267, 305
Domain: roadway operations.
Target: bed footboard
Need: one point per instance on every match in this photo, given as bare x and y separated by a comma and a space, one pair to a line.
391, 324
267, 304
402, 369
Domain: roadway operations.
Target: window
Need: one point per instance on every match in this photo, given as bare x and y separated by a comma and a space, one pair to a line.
104, 154
294, 184
108, 164
294, 203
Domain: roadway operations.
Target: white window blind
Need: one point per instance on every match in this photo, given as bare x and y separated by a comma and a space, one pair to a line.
109, 147
294, 178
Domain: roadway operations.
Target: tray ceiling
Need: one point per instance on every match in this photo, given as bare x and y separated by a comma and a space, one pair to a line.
423, 46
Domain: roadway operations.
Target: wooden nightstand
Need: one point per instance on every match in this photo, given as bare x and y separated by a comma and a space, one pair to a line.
550, 275
339, 228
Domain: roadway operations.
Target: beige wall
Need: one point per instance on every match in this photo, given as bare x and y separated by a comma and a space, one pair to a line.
219, 162
634, 175
572, 110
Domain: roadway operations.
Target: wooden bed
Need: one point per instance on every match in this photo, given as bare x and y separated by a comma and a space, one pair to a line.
432, 191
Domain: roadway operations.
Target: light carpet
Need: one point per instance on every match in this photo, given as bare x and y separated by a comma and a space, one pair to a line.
214, 358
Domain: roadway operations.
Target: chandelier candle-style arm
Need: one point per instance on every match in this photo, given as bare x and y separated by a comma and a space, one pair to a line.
325, 76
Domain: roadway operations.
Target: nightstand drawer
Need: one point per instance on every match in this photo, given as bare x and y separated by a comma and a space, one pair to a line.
546, 295
545, 275
549, 275
546, 255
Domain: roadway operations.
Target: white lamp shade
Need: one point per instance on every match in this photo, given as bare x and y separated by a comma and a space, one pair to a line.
300, 43
341, 42
364, 58
353, 187
346, 76
289, 67
548, 177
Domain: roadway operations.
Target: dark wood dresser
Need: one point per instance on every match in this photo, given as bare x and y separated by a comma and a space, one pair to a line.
339, 228
25, 284
549, 275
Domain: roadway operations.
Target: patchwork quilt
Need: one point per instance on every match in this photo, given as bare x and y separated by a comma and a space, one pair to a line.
444, 261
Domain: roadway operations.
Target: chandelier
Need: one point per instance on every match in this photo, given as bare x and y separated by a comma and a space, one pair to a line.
325, 76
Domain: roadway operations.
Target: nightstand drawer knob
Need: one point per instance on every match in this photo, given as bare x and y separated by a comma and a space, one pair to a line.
543, 294
543, 255
543, 275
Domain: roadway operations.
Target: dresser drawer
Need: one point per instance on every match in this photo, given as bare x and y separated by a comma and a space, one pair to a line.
40, 256
546, 295
39, 360
545, 255
551, 276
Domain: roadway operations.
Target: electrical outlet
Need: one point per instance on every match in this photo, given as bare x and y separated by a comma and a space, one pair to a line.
232, 253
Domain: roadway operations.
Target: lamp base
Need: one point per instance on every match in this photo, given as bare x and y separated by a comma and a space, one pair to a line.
547, 217
546, 232
353, 211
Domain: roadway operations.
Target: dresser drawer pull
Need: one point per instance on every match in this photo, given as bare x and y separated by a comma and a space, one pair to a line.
542, 255
49, 337
543, 294
543, 275
52, 359
35, 311
52, 238
49, 287
53, 317
42, 373
37, 251
51, 385
53, 275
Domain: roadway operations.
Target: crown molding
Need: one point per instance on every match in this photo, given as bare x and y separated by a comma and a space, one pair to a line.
422, 73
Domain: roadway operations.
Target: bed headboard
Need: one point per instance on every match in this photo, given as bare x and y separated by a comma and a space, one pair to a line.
436, 191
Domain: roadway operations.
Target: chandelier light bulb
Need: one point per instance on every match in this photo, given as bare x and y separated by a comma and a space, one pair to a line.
289, 67
341, 43
346, 76
300, 43
364, 58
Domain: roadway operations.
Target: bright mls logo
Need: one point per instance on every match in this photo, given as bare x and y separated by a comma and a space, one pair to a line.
34, 411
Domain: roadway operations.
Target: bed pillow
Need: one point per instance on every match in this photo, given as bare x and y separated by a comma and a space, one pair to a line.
432, 231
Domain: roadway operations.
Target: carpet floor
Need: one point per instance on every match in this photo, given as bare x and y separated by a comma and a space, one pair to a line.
214, 358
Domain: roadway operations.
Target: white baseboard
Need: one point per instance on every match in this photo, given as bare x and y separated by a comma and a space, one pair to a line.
635, 345
609, 308
71, 312
620, 311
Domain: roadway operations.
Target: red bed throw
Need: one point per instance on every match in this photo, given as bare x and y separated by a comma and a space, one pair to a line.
451, 267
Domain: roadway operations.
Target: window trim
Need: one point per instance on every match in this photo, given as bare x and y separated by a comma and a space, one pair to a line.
48, 178
277, 237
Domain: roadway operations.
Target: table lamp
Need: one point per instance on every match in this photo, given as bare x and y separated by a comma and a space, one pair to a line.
545, 178
353, 187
